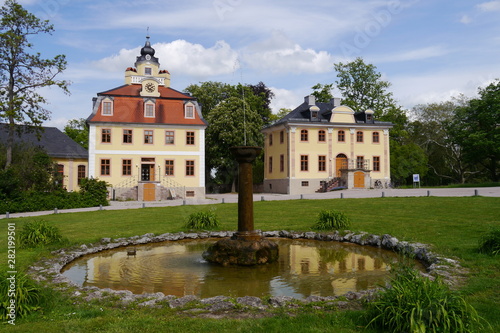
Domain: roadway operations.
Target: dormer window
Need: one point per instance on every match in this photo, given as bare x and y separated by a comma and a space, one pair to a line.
189, 111
149, 109
107, 107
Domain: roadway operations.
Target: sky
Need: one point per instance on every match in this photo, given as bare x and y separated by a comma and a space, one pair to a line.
429, 50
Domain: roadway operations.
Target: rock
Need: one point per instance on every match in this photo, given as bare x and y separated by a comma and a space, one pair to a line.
251, 301
182, 301
280, 301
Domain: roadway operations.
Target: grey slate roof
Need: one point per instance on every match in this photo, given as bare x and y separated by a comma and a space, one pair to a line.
302, 114
52, 140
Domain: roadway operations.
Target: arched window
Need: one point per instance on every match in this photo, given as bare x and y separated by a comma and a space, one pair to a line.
341, 136
359, 136
376, 137
107, 107
304, 135
321, 136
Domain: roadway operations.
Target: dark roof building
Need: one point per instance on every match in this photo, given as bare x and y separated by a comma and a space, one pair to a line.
52, 140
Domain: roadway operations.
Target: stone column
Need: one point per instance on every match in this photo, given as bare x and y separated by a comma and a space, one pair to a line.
245, 157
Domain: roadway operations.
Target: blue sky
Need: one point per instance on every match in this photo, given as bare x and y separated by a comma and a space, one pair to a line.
430, 50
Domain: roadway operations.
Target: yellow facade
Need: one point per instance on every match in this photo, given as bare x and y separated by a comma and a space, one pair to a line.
72, 171
302, 156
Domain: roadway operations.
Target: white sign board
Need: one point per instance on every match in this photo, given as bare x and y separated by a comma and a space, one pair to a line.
416, 178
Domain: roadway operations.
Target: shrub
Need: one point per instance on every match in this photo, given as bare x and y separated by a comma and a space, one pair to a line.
203, 220
414, 303
490, 243
27, 295
36, 233
331, 220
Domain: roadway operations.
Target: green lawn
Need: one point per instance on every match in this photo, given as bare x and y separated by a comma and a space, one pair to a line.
452, 226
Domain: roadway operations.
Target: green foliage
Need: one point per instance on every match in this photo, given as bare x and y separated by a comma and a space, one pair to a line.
27, 295
322, 92
416, 304
203, 220
475, 129
332, 220
490, 243
22, 72
78, 130
39, 233
94, 192
362, 88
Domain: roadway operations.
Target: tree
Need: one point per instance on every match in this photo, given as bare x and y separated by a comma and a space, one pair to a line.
362, 88
264, 95
431, 131
23, 73
476, 128
322, 92
78, 130
232, 123
281, 113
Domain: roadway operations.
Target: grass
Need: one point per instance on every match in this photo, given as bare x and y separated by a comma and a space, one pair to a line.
453, 226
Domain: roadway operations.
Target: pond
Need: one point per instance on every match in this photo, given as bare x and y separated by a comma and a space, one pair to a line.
305, 268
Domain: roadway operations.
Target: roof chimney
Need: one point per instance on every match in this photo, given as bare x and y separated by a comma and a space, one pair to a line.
310, 100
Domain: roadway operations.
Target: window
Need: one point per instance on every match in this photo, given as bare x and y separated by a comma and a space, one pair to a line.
127, 136
106, 135
282, 163
189, 194
148, 136
270, 164
169, 137
169, 167
304, 136
149, 110
304, 163
271, 139
107, 108
322, 136
376, 137
60, 174
105, 167
127, 168
190, 138
189, 168
305, 183
359, 136
376, 163
189, 111
322, 163
360, 162
82, 173
148, 71
282, 136
369, 117
341, 136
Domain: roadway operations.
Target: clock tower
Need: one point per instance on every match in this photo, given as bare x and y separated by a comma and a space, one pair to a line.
147, 72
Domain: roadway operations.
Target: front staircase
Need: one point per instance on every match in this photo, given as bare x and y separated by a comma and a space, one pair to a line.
333, 184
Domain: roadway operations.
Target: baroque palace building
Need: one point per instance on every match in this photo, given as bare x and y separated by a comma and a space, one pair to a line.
325, 146
146, 139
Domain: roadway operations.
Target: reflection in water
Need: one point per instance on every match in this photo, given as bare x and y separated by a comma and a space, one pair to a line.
305, 268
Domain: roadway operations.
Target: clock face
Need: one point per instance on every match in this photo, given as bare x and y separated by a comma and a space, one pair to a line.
148, 57
150, 87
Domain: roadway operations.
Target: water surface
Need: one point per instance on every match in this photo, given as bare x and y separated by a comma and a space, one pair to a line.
304, 268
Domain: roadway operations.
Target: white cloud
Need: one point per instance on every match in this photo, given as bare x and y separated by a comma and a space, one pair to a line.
280, 55
465, 19
491, 6
181, 57
411, 55
284, 98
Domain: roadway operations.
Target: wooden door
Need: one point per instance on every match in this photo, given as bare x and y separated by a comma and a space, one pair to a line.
149, 192
340, 164
359, 179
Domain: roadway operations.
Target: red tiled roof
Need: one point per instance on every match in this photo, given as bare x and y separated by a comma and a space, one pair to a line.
128, 107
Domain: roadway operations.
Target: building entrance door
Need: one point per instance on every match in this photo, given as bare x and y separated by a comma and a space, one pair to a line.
147, 172
359, 179
340, 164
149, 192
